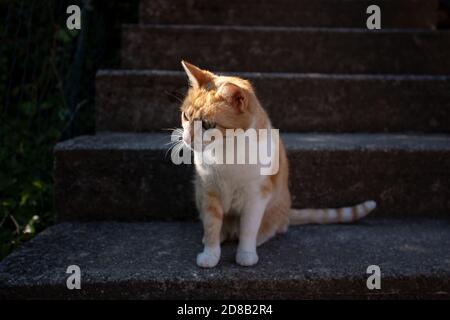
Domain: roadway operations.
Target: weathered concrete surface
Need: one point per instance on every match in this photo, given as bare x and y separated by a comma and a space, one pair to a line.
157, 261
323, 13
142, 100
130, 177
281, 49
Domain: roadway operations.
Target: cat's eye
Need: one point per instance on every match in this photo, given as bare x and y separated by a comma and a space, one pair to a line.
208, 125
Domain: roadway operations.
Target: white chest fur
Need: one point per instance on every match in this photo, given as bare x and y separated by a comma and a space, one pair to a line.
237, 184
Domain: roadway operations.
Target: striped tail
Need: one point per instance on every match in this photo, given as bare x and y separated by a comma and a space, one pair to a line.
323, 216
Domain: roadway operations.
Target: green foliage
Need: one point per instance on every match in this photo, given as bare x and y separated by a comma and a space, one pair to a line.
46, 95
36, 54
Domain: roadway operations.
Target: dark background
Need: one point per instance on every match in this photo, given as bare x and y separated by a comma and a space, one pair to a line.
46, 95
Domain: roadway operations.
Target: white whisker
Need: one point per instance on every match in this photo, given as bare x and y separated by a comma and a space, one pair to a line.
175, 145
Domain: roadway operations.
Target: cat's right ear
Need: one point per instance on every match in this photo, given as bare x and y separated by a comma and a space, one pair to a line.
197, 76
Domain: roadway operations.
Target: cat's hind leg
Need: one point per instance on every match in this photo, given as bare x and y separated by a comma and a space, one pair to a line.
275, 220
230, 228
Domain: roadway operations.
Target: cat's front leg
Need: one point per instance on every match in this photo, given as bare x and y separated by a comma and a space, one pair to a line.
249, 226
212, 218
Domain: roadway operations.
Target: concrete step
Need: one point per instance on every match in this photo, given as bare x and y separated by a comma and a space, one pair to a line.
322, 13
157, 261
131, 177
141, 100
281, 49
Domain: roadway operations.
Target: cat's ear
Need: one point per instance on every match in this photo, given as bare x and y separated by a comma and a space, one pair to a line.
234, 95
197, 76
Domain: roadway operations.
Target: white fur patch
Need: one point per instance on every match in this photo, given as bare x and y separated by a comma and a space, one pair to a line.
209, 258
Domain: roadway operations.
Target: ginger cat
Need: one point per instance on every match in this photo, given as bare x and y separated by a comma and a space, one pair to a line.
234, 200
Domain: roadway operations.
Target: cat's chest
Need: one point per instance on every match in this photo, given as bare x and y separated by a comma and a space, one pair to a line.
235, 183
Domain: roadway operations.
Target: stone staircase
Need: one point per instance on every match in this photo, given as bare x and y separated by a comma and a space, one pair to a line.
364, 115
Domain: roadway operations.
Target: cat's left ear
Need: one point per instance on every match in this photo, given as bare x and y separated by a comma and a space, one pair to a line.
197, 76
235, 96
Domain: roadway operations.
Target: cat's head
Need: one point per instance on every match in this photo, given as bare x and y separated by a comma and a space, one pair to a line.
219, 102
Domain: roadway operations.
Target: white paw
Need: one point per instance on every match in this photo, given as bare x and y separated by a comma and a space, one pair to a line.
207, 259
246, 258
